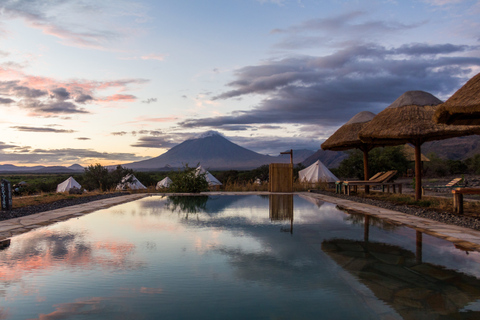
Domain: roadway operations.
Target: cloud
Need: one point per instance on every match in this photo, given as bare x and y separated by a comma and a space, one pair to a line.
333, 30
442, 2
119, 97
66, 20
3, 145
50, 108
6, 100
48, 97
59, 94
82, 98
41, 129
61, 156
154, 142
158, 57
272, 145
150, 100
119, 133
83, 138
328, 90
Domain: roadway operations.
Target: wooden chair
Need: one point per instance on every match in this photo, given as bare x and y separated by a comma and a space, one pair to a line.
383, 180
338, 184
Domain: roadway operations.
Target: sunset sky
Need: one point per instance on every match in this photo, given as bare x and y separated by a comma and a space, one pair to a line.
117, 81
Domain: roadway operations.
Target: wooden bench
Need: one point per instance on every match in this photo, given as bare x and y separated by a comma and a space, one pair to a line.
452, 184
458, 197
380, 179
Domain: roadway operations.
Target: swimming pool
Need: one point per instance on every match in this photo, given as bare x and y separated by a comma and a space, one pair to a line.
234, 257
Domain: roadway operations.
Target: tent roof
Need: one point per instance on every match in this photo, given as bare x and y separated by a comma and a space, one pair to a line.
164, 183
68, 184
134, 185
317, 172
346, 137
409, 119
463, 107
212, 181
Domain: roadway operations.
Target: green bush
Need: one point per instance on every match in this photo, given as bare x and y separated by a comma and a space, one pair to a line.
188, 181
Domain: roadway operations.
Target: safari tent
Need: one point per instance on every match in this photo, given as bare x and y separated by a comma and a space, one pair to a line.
212, 181
130, 182
68, 184
164, 183
317, 172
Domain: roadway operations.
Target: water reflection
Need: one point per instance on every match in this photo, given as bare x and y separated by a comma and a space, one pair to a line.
281, 208
187, 205
399, 277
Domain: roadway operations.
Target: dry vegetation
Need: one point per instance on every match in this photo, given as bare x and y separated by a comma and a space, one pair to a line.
471, 208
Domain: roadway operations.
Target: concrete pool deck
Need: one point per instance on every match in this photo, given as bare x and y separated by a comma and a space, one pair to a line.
465, 238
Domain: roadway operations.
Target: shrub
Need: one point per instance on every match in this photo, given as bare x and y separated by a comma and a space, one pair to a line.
188, 181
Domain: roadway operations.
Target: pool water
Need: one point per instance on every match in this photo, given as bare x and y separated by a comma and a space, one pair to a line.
234, 257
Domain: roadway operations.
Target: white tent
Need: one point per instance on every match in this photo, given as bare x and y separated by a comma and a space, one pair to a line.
68, 184
165, 183
317, 172
133, 185
212, 181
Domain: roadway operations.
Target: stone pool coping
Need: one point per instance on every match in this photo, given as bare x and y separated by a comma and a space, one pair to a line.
465, 238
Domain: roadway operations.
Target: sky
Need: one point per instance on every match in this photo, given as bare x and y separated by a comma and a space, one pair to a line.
117, 81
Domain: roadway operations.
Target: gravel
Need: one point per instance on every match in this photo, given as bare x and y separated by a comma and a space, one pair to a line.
441, 216
28, 210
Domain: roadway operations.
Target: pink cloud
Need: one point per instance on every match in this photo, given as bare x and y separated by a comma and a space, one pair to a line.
119, 97
159, 57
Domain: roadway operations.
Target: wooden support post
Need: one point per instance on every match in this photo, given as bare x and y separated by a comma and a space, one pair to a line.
418, 171
366, 174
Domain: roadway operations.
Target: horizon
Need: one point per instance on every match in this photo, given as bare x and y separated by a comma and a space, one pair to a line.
86, 82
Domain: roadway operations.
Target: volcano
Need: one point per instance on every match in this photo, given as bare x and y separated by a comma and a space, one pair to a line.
212, 151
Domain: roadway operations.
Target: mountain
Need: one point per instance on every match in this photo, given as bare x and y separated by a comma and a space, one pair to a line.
459, 148
212, 151
331, 159
14, 168
76, 167
40, 169
298, 155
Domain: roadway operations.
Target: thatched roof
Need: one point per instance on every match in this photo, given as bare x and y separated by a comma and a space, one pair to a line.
410, 119
346, 137
463, 107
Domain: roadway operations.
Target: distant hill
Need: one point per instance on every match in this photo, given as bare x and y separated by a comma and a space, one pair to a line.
298, 155
76, 167
10, 168
212, 151
460, 148
331, 159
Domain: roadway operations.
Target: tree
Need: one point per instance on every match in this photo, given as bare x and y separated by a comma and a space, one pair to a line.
380, 159
188, 181
96, 177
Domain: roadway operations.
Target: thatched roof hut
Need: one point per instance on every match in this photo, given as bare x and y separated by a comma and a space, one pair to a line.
409, 119
463, 107
346, 137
